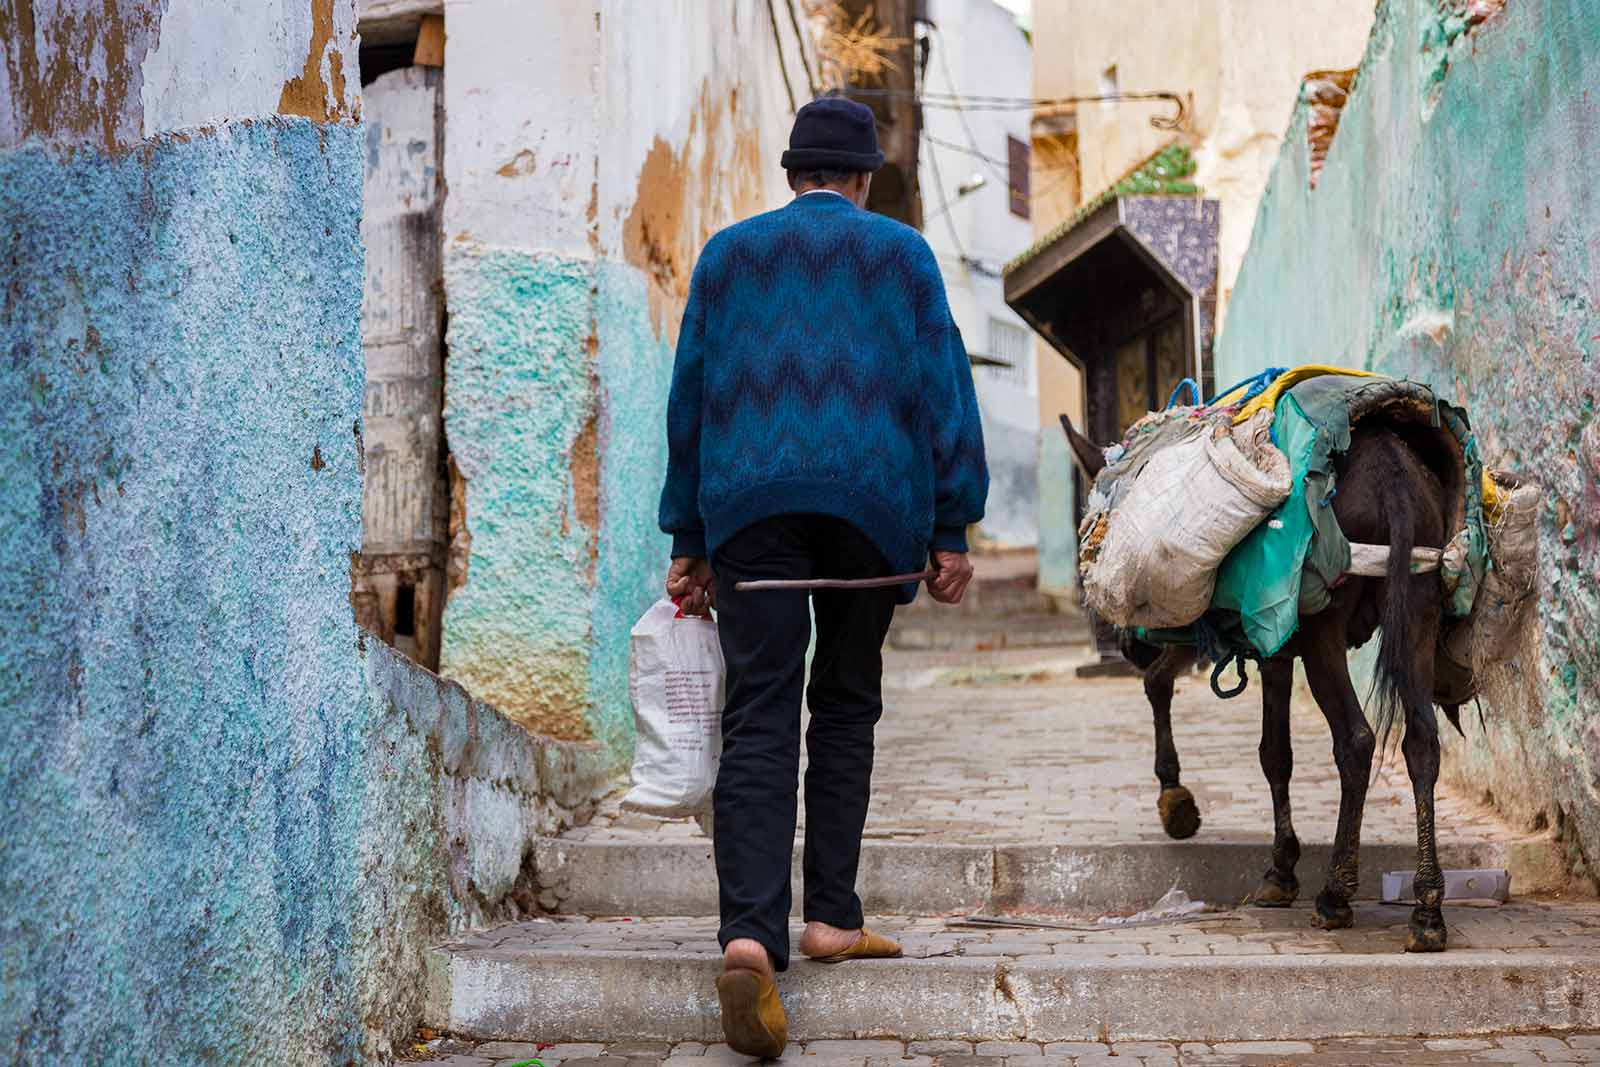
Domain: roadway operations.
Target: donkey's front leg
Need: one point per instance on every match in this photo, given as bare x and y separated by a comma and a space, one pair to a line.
1180, 816
1421, 747
1328, 672
1279, 886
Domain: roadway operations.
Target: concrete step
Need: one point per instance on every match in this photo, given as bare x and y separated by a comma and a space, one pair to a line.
981, 633
678, 878
1248, 975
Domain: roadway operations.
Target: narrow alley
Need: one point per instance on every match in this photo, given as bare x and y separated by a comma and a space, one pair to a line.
1008, 788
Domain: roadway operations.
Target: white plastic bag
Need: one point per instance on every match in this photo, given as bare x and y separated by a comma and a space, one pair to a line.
1152, 558
675, 681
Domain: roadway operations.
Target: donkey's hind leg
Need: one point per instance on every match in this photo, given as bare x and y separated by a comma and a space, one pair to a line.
1279, 886
1421, 748
1180, 816
1321, 645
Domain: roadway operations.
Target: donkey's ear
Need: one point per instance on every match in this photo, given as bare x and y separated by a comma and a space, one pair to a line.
1090, 459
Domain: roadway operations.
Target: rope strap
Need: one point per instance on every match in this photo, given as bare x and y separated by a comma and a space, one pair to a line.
1239, 658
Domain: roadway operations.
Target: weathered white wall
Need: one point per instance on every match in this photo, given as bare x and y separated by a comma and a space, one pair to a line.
214, 61
140, 68
590, 149
1242, 61
979, 50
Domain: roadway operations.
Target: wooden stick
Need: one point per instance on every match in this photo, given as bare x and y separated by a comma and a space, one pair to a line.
769, 584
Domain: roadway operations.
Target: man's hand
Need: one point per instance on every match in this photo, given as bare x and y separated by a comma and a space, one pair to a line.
689, 580
950, 584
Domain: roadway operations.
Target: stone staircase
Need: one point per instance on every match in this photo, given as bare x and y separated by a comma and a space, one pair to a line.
1033, 801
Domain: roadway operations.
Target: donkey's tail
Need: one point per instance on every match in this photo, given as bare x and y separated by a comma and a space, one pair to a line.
1397, 684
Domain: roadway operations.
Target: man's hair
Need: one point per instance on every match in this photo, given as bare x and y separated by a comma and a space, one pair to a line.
825, 176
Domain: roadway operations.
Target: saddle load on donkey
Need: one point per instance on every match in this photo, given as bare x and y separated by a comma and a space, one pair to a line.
1296, 515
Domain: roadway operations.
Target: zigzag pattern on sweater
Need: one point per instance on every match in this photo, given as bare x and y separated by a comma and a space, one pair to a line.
818, 356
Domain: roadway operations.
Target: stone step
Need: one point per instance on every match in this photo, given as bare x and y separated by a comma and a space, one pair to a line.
1248, 975
906, 878
941, 633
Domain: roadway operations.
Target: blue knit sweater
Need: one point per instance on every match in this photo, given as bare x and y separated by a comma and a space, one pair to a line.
818, 371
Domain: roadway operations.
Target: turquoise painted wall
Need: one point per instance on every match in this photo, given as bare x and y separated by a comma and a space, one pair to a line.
179, 495
1454, 238
555, 408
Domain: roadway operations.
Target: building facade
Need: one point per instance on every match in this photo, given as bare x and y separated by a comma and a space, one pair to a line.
976, 203
1235, 66
1449, 238
585, 152
233, 821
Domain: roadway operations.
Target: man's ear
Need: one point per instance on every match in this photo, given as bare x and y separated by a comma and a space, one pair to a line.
865, 185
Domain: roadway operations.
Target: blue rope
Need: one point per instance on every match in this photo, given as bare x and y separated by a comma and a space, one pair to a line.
1257, 383
1188, 383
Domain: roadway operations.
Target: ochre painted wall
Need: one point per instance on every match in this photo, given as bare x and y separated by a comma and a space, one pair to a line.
1452, 239
590, 150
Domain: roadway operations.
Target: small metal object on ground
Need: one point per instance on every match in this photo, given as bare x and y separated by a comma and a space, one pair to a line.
1490, 886
767, 584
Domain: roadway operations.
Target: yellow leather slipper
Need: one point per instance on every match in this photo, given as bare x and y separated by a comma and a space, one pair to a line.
869, 946
752, 1015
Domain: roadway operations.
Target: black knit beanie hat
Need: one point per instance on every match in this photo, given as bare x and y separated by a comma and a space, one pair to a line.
833, 134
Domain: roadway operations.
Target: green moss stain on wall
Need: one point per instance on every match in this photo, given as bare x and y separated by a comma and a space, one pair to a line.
1451, 239
519, 393
635, 369
555, 411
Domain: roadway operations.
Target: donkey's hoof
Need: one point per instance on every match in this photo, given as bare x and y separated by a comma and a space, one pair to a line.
1426, 932
1275, 892
1332, 913
1180, 816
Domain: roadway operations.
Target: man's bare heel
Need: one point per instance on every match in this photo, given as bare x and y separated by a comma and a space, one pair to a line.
752, 1015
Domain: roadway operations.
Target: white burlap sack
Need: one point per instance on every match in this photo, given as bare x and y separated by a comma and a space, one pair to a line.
675, 680
1152, 559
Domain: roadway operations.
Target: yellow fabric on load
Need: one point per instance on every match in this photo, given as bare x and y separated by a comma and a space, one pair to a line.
1493, 501
1268, 397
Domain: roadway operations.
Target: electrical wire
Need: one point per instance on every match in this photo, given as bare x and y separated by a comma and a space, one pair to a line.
800, 43
961, 112
1017, 103
777, 42
944, 208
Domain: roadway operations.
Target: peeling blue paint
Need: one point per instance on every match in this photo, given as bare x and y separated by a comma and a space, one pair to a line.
1451, 239
541, 346
179, 672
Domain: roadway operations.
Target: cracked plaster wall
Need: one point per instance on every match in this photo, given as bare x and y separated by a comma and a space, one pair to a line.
590, 150
1452, 238
232, 824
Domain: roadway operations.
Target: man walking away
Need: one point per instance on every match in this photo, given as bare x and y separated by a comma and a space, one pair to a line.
822, 424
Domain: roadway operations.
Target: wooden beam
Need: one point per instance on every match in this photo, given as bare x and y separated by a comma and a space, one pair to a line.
388, 9
430, 42
387, 22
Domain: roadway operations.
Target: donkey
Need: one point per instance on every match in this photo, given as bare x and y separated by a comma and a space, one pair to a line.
1396, 490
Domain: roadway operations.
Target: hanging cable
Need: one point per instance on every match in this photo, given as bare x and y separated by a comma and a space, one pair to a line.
1173, 121
800, 42
944, 205
1002, 173
783, 68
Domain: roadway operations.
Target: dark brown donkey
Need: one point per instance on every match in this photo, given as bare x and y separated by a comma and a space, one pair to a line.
1394, 489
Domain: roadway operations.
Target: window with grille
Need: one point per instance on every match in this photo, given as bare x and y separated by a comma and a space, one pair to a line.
1010, 342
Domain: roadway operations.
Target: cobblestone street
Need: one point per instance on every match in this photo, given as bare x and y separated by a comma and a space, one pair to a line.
1009, 759
1012, 748
1348, 1052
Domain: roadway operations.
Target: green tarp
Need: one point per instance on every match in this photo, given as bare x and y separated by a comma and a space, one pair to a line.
1288, 564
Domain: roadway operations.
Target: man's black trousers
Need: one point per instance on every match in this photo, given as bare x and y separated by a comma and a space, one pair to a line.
764, 637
